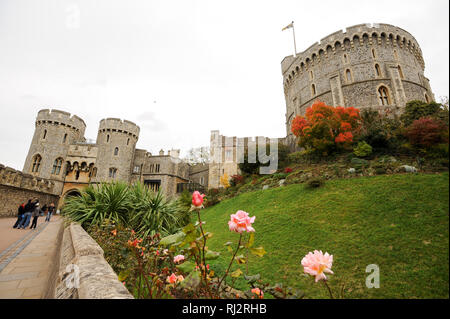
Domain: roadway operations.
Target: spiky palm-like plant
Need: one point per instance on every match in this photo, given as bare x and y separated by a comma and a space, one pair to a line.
97, 203
153, 213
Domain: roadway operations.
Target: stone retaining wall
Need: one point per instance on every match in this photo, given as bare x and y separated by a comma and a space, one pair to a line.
81, 254
17, 187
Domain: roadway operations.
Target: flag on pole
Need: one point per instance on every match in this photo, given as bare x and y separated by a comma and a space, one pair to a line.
290, 25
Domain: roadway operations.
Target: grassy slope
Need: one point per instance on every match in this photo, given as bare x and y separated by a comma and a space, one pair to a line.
399, 222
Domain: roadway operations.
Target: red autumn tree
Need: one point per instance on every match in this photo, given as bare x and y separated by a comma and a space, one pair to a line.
325, 128
426, 132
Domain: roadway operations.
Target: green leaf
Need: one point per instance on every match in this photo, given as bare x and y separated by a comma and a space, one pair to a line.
186, 267
253, 278
172, 239
189, 228
123, 275
240, 259
211, 255
207, 236
251, 240
192, 280
258, 251
236, 273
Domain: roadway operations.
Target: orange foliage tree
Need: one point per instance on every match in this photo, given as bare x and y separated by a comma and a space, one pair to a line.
325, 128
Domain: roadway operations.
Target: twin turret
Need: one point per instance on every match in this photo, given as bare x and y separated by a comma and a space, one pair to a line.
116, 142
57, 130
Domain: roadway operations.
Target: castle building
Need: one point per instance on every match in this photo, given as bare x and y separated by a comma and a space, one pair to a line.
60, 154
378, 66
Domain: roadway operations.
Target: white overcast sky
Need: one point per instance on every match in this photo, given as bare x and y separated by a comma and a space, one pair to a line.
178, 69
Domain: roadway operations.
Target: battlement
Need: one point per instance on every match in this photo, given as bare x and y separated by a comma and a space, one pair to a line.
60, 117
350, 37
118, 125
15, 178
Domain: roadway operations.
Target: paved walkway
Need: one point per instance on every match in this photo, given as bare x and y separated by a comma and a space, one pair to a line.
26, 257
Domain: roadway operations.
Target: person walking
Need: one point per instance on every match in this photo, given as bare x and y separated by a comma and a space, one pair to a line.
51, 210
36, 212
20, 213
29, 207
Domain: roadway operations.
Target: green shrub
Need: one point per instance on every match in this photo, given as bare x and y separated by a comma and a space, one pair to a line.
97, 203
315, 183
380, 170
416, 109
280, 175
359, 162
363, 149
135, 206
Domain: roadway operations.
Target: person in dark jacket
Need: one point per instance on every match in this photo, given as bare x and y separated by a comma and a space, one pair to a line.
29, 207
51, 210
20, 213
37, 211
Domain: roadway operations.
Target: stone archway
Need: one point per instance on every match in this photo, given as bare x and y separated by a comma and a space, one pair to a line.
70, 193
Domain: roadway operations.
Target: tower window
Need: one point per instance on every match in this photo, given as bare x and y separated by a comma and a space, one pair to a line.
383, 96
395, 54
345, 59
128, 141
65, 138
112, 172
157, 166
136, 169
311, 75
378, 70
313, 89
373, 54
116, 151
348, 75
36, 163
45, 135
57, 166
107, 138
400, 72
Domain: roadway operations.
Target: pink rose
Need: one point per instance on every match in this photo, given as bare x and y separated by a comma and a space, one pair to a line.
241, 222
317, 263
178, 258
197, 199
258, 292
172, 279
180, 278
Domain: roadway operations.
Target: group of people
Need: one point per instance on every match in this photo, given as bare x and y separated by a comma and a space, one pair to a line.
32, 209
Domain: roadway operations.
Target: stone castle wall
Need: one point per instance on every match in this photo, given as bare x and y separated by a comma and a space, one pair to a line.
17, 187
224, 153
342, 70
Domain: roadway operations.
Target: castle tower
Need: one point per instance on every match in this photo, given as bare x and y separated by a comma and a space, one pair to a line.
377, 66
55, 130
116, 142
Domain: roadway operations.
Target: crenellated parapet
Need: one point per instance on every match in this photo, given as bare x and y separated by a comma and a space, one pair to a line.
58, 117
18, 179
378, 34
118, 125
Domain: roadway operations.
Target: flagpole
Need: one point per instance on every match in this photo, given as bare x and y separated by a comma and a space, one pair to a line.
293, 32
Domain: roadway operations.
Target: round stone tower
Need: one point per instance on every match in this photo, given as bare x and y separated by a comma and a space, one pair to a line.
55, 131
116, 142
378, 66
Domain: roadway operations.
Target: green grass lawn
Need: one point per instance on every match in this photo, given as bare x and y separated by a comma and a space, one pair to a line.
398, 222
